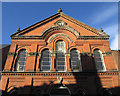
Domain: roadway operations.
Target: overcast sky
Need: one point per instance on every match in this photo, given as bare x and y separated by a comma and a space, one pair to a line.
95, 14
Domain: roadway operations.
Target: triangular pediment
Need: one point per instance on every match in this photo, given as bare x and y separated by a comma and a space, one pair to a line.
58, 21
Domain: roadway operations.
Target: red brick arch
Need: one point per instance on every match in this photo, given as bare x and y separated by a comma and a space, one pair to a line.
60, 35
25, 47
76, 47
60, 38
45, 47
97, 47
51, 30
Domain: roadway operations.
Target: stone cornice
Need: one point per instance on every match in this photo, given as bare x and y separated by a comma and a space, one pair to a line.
27, 37
93, 37
79, 37
58, 73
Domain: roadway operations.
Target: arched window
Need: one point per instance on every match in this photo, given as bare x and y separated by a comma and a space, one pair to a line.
100, 66
21, 60
75, 60
60, 56
45, 60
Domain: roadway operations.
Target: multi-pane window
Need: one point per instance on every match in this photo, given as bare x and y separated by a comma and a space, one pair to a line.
100, 66
21, 61
45, 60
75, 60
60, 56
60, 46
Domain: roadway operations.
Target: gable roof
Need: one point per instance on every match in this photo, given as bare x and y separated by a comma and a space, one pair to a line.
60, 14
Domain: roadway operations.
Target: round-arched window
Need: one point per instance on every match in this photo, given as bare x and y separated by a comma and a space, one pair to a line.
60, 56
100, 66
45, 60
75, 60
21, 60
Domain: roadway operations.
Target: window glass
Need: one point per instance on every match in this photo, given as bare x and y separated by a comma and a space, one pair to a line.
22, 63
45, 60
74, 55
75, 60
21, 68
99, 60
45, 68
61, 59
60, 68
45, 55
60, 63
75, 67
60, 46
21, 60
60, 56
45, 63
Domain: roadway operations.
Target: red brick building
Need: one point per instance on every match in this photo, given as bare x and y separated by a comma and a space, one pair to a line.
60, 56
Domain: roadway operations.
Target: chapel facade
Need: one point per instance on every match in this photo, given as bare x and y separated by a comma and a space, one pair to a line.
59, 56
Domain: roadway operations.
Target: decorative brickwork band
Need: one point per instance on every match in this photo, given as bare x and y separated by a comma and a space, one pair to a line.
107, 53
32, 54
57, 74
12, 53
94, 37
86, 54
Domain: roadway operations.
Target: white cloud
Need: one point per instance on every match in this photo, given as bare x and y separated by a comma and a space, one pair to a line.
114, 44
113, 32
103, 15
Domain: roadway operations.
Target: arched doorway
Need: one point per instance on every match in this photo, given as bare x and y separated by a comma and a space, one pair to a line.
60, 90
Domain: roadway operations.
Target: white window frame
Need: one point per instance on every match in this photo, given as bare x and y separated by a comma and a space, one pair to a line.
17, 63
102, 60
45, 61
62, 51
79, 62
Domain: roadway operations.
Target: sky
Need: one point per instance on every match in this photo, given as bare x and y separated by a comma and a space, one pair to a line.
95, 14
